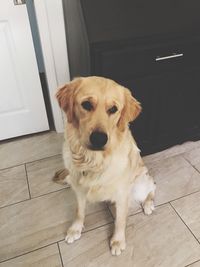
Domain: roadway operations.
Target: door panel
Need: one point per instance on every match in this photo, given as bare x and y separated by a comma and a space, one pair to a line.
8, 69
22, 108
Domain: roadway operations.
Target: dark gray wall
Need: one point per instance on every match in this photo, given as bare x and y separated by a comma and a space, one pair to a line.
35, 34
39, 58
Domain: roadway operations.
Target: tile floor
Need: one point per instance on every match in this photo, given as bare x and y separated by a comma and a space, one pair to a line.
35, 212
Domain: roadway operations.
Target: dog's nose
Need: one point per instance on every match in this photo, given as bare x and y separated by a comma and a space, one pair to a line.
98, 139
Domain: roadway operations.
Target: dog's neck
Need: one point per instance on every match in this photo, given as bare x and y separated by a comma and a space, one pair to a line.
85, 160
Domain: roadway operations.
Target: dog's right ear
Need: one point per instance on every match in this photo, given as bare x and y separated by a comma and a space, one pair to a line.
65, 97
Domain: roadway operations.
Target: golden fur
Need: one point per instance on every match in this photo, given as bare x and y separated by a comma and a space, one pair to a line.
113, 173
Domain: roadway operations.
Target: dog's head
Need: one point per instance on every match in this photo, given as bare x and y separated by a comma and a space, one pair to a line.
98, 108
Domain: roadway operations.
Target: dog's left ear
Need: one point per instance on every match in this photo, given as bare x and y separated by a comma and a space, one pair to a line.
130, 111
66, 96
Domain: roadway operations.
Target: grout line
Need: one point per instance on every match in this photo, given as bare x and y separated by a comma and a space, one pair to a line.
50, 192
65, 188
156, 160
12, 204
192, 263
60, 154
180, 153
141, 211
185, 223
191, 164
34, 197
26, 137
158, 206
167, 202
97, 227
7, 168
61, 259
172, 200
27, 181
23, 254
135, 213
56, 242
107, 206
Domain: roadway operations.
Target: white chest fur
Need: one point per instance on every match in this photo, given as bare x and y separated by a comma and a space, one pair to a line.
101, 177
105, 184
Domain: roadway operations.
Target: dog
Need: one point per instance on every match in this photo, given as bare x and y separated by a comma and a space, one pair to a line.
102, 160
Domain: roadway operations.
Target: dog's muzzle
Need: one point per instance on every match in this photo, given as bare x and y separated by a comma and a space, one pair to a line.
98, 140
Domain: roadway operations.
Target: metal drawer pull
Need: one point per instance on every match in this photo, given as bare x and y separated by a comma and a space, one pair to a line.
168, 57
19, 2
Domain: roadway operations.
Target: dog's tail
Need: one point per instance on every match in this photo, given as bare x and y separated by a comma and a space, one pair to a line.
60, 176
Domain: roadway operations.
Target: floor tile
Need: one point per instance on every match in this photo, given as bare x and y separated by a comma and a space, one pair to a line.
172, 151
196, 264
174, 177
13, 185
189, 209
193, 157
133, 209
158, 240
44, 257
30, 148
41, 221
40, 175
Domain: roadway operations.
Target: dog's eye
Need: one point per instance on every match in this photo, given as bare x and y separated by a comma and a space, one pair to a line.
112, 110
87, 105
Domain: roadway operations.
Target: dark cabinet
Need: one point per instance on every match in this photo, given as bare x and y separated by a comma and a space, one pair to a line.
152, 48
144, 59
171, 109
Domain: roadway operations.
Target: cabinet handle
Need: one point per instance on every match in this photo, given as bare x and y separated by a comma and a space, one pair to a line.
168, 57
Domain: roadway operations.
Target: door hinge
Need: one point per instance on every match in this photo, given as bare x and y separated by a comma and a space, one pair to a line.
19, 2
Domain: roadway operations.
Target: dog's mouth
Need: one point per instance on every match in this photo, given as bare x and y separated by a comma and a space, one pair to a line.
94, 148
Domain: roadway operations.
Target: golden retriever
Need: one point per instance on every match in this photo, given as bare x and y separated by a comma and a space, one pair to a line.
100, 153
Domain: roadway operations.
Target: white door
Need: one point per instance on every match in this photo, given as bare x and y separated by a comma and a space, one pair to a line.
22, 108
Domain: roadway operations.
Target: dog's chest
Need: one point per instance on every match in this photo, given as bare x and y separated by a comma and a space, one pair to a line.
101, 186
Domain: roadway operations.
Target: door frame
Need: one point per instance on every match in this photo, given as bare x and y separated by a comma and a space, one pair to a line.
54, 52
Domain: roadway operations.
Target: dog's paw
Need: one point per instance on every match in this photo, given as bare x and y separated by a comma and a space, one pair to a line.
148, 207
73, 233
117, 246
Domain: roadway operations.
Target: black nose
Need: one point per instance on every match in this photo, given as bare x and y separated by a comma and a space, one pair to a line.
98, 139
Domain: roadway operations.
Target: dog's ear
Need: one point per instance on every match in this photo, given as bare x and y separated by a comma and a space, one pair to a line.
130, 111
65, 96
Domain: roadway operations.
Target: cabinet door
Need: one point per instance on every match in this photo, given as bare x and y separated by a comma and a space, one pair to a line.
131, 60
171, 109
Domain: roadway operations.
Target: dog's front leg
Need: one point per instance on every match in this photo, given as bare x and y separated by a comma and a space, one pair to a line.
74, 232
118, 242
